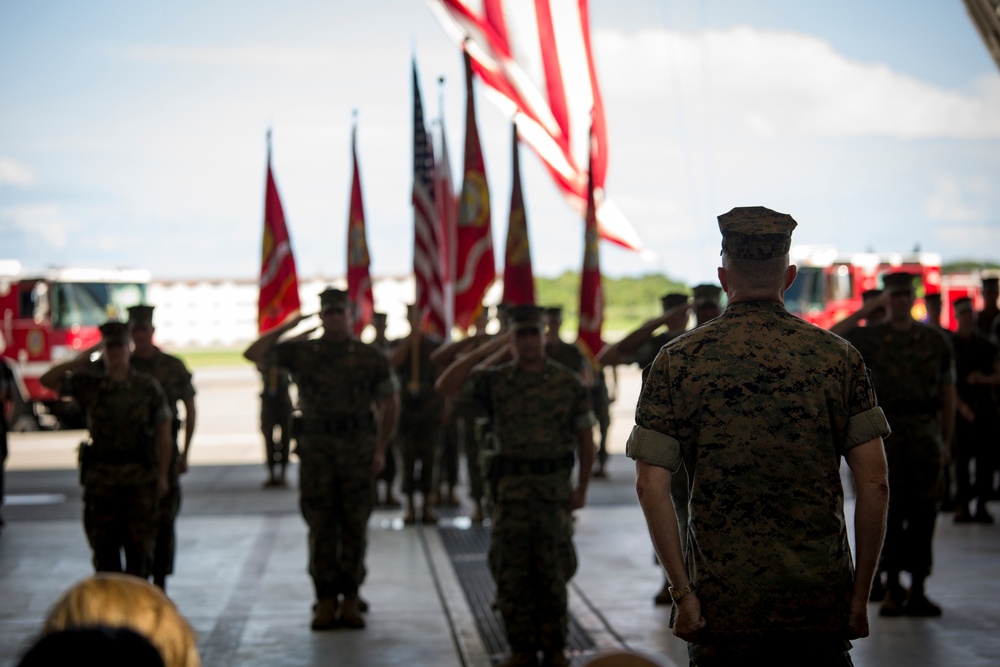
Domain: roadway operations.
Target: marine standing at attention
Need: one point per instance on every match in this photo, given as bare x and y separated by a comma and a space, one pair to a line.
760, 408
175, 380
349, 401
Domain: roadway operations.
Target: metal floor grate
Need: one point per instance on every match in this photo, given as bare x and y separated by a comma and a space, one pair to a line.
467, 549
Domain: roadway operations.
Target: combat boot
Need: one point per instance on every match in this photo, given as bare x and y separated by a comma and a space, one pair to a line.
428, 516
350, 612
521, 659
555, 659
325, 614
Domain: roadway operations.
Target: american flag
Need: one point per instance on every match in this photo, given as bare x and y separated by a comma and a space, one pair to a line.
426, 227
537, 56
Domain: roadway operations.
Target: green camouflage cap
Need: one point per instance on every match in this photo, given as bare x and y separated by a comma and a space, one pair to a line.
333, 299
140, 316
706, 294
114, 333
673, 300
525, 316
755, 232
898, 281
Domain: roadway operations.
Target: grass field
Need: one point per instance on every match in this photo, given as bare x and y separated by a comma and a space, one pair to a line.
201, 358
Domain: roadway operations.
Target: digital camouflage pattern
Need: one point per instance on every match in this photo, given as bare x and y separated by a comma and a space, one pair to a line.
338, 381
648, 350
175, 380
119, 486
567, 354
534, 416
908, 370
760, 407
276, 410
420, 414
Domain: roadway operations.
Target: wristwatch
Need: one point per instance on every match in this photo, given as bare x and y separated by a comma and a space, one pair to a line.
678, 593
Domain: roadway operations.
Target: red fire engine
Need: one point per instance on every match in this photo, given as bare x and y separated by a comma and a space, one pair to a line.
49, 317
829, 284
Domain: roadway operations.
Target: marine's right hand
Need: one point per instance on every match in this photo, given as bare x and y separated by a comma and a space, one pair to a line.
688, 623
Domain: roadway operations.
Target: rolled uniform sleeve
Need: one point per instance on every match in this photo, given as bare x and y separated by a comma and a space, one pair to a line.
653, 438
866, 421
654, 448
584, 421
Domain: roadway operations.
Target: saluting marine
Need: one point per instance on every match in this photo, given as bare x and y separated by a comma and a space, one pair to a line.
125, 469
540, 415
341, 446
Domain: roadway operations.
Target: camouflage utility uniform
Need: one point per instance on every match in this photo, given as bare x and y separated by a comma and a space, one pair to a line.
276, 412
420, 419
909, 369
337, 382
121, 470
536, 419
760, 406
175, 380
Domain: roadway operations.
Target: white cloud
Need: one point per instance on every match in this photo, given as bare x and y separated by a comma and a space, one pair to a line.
44, 222
15, 173
744, 79
256, 55
957, 202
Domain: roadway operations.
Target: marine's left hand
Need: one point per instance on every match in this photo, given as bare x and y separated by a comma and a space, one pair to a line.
857, 622
578, 499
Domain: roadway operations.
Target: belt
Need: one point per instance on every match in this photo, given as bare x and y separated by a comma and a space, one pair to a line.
512, 466
337, 425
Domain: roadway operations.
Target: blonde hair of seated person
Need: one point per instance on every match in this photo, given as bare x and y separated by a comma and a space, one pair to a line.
123, 600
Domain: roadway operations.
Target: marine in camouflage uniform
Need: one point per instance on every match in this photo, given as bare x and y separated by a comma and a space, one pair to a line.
540, 415
421, 416
913, 370
977, 426
340, 448
7, 389
276, 415
760, 407
125, 469
387, 476
175, 380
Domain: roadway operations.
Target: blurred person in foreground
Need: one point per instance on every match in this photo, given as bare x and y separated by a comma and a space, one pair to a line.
760, 407
124, 601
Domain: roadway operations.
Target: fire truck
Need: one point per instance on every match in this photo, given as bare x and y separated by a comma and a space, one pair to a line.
830, 284
49, 317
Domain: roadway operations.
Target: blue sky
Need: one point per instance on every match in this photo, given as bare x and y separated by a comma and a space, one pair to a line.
133, 134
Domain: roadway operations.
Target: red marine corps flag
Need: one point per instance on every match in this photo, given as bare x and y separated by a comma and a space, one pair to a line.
279, 286
518, 279
591, 294
427, 246
475, 267
359, 282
